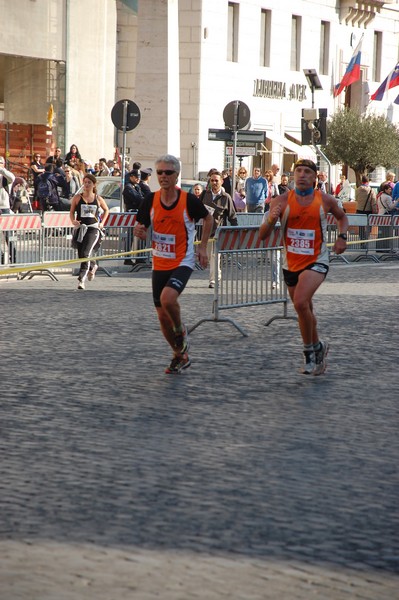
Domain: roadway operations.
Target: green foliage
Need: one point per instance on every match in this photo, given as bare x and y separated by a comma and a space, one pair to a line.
362, 142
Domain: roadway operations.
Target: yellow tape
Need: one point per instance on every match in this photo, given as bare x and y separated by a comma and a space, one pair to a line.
369, 241
64, 263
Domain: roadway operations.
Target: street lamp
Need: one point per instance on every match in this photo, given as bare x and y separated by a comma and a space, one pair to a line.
313, 81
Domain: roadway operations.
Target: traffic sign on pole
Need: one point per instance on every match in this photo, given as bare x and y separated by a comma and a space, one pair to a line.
125, 115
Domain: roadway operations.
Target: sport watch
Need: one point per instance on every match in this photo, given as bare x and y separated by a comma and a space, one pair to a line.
343, 236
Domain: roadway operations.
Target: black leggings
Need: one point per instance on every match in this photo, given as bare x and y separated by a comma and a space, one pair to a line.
90, 244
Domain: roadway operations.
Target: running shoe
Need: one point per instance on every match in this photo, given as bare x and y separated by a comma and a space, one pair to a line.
321, 359
178, 363
181, 340
91, 274
81, 285
309, 363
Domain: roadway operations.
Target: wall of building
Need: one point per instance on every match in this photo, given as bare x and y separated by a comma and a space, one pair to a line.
33, 29
91, 76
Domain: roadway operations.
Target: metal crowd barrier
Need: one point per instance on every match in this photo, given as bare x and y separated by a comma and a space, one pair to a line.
31, 239
368, 236
20, 239
249, 219
119, 238
251, 273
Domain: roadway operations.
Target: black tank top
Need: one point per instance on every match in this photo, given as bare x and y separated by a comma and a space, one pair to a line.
87, 213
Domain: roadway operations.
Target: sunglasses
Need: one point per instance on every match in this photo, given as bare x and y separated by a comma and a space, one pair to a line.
167, 172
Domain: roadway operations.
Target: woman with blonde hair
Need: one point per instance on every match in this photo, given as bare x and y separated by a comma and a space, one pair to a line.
239, 199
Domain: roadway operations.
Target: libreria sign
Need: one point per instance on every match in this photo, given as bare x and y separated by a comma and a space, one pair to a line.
279, 90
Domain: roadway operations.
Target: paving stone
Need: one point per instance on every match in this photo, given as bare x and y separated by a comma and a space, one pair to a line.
240, 478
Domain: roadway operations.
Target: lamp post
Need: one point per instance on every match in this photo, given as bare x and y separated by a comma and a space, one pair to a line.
310, 116
313, 81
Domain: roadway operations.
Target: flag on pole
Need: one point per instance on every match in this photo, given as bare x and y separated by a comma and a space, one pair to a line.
391, 81
352, 72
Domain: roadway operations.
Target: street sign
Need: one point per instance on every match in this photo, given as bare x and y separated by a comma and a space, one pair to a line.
241, 151
225, 135
236, 115
220, 135
125, 115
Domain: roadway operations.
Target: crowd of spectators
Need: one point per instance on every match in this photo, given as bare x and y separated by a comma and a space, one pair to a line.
63, 177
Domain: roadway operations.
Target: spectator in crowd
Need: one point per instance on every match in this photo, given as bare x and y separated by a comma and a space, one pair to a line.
390, 179
136, 167
344, 191
275, 170
283, 186
36, 169
54, 157
365, 198
208, 177
172, 214
85, 214
72, 156
104, 169
384, 200
70, 186
342, 179
111, 164
242, 175
96, 169
19, 196
303, 216
221, 207
47, 190
132, 195
228, 181
197, 190
239, 200
256, 191
322, 182
80, 169
6, 179
272, 188
144, 183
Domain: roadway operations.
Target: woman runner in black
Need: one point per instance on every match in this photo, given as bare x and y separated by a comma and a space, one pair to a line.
85, 214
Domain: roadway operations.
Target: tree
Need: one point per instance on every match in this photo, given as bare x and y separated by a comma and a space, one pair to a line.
362, 142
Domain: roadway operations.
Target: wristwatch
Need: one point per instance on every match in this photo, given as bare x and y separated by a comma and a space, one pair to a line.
343, 236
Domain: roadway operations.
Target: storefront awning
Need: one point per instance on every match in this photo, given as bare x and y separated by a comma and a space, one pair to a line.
291, 147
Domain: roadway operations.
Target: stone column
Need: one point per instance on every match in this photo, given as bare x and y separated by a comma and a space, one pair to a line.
157, 81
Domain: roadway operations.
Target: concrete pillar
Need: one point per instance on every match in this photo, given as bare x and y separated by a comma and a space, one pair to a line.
157, 81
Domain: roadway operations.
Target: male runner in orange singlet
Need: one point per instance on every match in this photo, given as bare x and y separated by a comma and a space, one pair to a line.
172, 213
302, 213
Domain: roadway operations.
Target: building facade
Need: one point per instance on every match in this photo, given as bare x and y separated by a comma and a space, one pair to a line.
182, 62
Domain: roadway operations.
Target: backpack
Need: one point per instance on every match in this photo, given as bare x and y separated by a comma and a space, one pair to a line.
46, 192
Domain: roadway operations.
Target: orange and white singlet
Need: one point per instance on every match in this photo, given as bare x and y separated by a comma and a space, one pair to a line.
304, 230
173, 234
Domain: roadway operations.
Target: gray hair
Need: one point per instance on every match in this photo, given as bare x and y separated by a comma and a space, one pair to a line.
171, 160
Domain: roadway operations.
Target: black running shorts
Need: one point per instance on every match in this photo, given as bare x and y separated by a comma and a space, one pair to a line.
176, 279
291, 277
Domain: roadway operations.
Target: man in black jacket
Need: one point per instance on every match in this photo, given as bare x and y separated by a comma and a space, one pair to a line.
133, 198
221, 207
132, 195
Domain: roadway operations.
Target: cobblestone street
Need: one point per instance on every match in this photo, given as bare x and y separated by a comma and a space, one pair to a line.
239, 479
